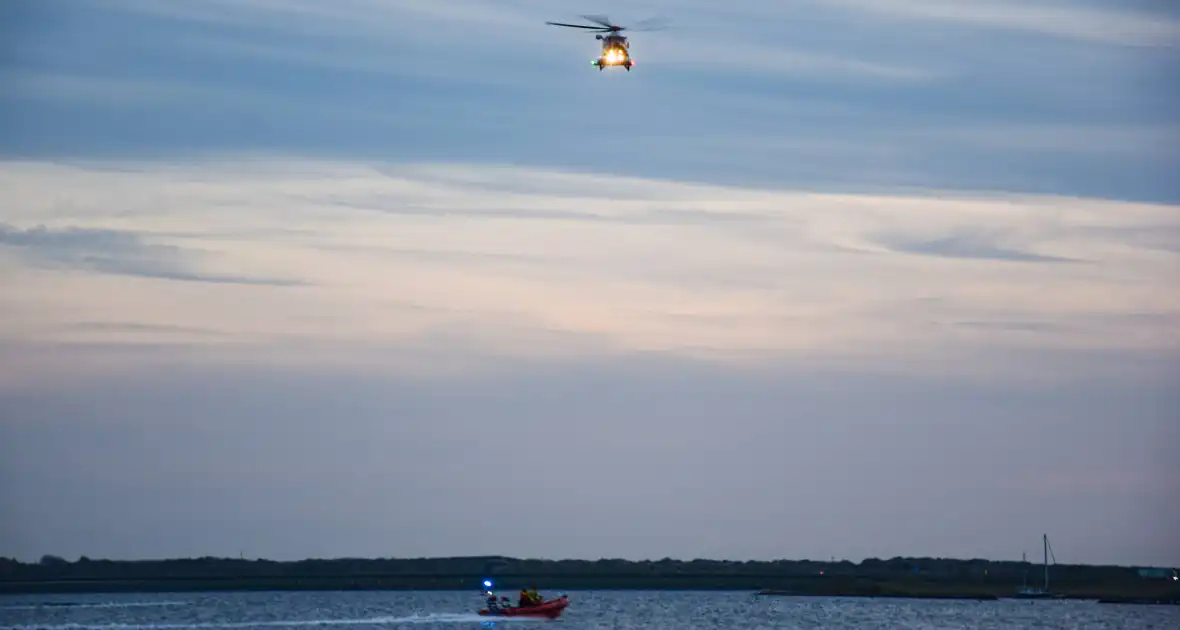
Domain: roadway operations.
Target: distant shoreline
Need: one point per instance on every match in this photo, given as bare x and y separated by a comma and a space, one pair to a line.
895, 578
113, 587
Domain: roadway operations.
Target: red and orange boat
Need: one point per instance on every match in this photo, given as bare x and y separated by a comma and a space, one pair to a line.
551, 609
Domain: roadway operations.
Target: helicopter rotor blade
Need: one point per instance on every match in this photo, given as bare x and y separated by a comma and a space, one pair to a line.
650, 24
601, 19
589, 28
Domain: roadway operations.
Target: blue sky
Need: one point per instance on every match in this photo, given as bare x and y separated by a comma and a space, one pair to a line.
829, 277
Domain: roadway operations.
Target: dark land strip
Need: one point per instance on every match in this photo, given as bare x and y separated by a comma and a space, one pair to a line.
897, 577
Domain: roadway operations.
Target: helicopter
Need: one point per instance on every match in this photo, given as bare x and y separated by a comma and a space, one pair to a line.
616, 50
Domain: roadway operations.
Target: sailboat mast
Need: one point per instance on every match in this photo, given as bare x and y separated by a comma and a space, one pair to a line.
1045, 541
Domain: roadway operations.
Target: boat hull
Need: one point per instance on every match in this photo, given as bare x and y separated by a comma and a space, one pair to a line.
551, 609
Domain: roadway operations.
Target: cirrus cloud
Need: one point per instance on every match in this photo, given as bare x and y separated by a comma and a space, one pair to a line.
388, 253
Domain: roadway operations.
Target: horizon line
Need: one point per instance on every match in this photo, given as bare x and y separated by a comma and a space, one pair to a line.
503, 558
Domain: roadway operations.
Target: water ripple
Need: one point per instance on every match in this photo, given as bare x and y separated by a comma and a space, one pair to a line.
623, 610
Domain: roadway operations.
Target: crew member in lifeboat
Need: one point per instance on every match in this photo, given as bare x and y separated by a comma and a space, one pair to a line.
529, 597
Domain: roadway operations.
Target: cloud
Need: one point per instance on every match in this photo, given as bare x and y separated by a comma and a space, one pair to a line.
112, 252
972, 245
762, 94
477, 25
655, 324
1160, 140
1042, 17
302, 443
145, 328
476, 264
796, 234
781, 61
1162, 237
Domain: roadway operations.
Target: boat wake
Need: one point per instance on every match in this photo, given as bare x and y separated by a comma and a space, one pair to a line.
40, 605
435, 618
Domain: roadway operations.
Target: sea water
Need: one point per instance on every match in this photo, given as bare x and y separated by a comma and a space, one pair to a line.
621, 610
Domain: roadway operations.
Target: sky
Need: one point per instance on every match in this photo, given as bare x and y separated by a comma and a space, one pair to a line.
820, 278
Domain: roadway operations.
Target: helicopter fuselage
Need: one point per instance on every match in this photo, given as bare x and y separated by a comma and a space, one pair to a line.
616, 51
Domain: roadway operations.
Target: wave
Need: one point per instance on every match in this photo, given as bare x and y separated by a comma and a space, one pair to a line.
284, 623
39, 605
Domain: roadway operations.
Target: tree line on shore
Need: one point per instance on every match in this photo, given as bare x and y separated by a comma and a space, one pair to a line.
430, 570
